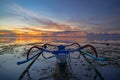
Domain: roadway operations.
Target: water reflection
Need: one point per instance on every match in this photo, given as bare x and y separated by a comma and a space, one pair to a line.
19, 40
110, 70
53, 73
26, 40
6, 39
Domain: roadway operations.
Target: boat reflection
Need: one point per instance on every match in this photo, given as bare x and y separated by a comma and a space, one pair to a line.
55, 74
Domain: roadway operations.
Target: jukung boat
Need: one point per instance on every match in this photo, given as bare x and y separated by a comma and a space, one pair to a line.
62, 55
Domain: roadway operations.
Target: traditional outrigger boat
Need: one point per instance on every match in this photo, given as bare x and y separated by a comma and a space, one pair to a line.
61, 54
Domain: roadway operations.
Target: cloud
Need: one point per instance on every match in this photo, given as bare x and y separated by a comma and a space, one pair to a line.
103, 23
34, 19
7, 33
25, 29
109, 23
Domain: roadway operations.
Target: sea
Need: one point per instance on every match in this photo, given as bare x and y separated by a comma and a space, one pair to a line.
14, 49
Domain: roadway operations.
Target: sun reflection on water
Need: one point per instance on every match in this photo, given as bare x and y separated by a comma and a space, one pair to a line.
21, 40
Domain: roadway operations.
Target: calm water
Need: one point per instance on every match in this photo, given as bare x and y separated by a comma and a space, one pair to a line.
14, 49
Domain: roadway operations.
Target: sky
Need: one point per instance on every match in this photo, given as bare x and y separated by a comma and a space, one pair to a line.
60, 15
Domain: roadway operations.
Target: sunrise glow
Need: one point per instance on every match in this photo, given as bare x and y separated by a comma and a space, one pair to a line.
33, 18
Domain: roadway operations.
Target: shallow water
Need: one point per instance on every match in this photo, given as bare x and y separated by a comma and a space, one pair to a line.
13, 51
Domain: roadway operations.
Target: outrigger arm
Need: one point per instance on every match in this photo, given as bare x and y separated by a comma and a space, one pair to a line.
61, 54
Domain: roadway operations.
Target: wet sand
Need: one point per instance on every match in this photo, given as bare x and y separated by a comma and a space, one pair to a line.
78, 69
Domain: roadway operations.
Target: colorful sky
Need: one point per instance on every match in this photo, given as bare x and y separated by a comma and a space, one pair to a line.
59, 15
